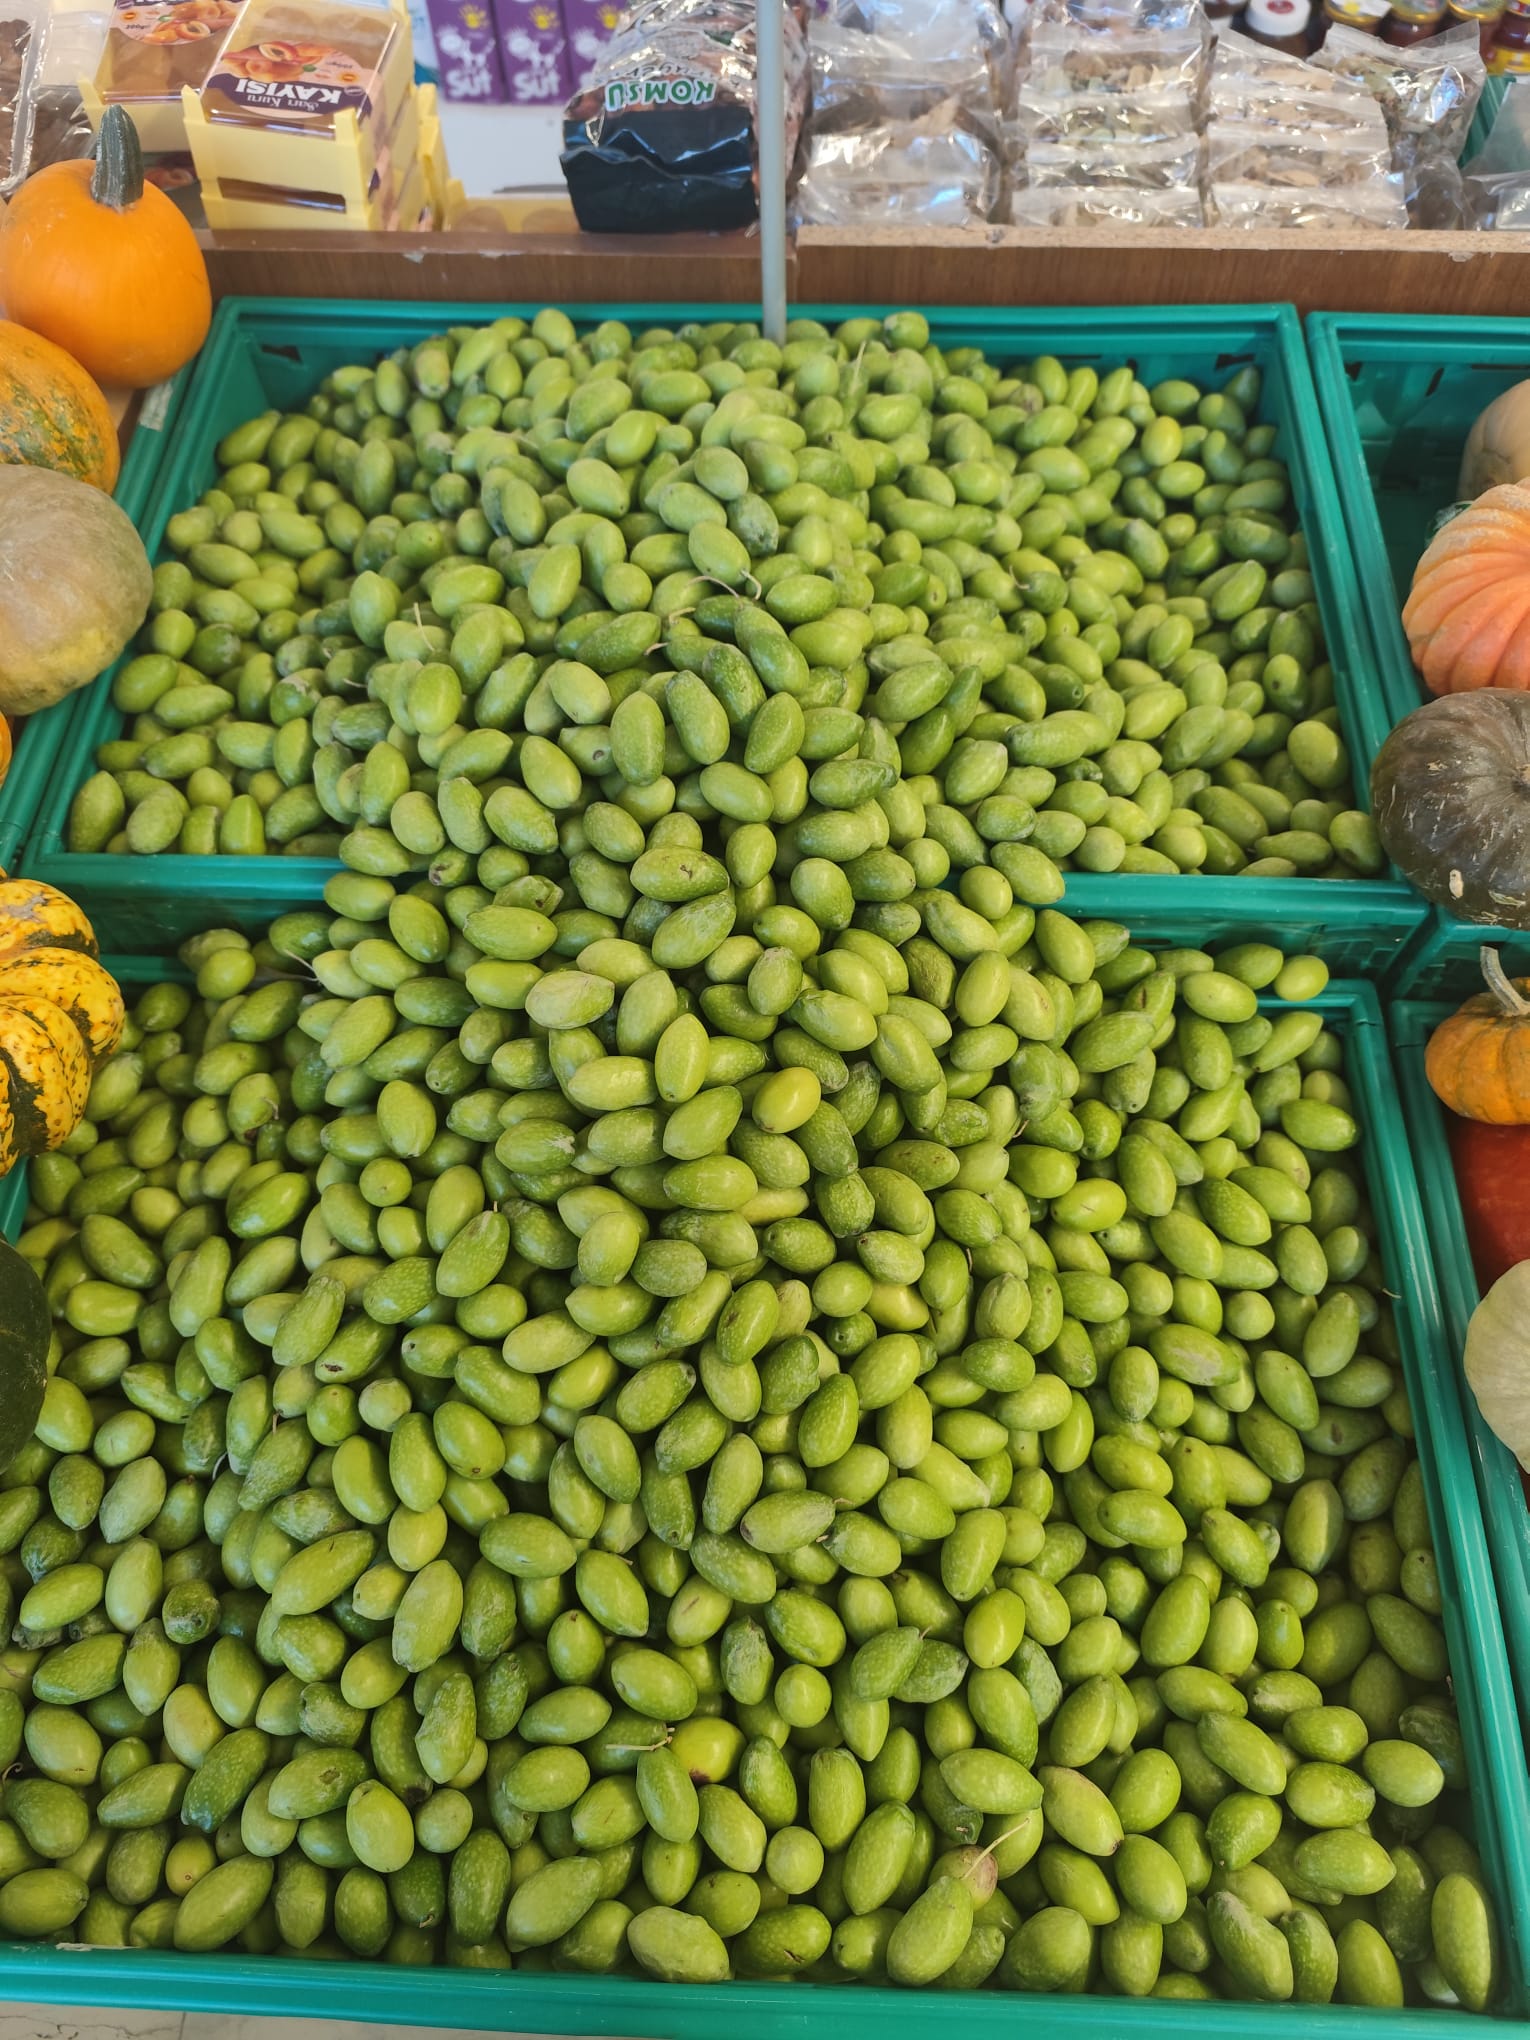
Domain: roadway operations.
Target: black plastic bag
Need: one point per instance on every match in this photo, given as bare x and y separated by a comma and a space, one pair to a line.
662, 138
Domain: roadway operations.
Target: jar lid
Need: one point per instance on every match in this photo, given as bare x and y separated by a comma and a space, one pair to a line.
1277, 18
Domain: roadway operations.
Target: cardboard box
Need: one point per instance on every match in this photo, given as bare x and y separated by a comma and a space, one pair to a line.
467, 51
533, 50
587, 25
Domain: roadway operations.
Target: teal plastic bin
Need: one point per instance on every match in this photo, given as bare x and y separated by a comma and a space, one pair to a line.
532, 2001
1507, 1515
42, 736
264, 352
1398, 395
1443, 959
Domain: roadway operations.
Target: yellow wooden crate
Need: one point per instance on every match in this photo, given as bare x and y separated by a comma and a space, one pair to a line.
433, 155
235, 210
342, 155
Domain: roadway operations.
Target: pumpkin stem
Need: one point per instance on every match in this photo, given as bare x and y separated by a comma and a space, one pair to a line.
117, 180
1499, 984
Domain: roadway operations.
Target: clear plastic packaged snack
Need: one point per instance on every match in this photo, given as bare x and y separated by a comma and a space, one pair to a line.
662, 136
1093, 118
21, 26
930, 173
60, 132
1498, 176
901, 59
1500, 202
1106, 206
1152, 166
1125, 46
1374, 205
1257, 86
1428, 87
1433, 188
1293, 159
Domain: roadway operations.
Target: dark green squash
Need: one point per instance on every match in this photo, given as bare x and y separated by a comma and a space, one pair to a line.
1450, 793
25, 1328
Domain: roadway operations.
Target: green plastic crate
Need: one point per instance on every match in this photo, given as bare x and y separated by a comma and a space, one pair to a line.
1410, 1024
1398, 395
545, 2003
264, 352
1442, 959
42, 736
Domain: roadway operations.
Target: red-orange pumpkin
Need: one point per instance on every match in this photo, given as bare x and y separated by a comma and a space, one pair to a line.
1468, 613
51, 414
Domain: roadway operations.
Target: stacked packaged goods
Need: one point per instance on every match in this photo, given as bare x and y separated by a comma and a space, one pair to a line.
310, 118
1107, 114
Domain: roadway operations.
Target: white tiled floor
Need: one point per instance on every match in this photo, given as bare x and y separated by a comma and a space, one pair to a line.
60, 2022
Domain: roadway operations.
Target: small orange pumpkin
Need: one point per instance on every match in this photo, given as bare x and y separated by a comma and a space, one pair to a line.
1478, 1061
105, 265
51, 414
60, 1013
7, 749
1467, 615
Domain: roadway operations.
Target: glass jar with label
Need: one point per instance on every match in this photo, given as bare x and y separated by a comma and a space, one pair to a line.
1413, 21
1510, 53
1485, 13
1364, 15
1279, 25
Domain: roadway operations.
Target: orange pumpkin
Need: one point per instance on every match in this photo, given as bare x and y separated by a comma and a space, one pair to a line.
51, 414
6, 749
105, 265
1478, 1061
1468, 610
60, 1013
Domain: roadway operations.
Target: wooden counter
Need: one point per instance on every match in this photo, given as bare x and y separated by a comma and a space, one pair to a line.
1483, 273
553, 269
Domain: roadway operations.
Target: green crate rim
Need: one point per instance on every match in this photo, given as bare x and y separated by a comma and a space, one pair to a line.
1505, 1512
42, 736
252, 884
1445, 951
488, 2001
1332, 337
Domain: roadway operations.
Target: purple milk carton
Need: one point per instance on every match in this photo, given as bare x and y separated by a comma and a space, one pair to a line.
533, 51
588, 24
467, 51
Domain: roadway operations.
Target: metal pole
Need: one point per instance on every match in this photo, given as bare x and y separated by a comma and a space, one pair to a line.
770, 130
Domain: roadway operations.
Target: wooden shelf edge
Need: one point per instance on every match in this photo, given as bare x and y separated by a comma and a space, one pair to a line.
1479, 273
1475, 273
